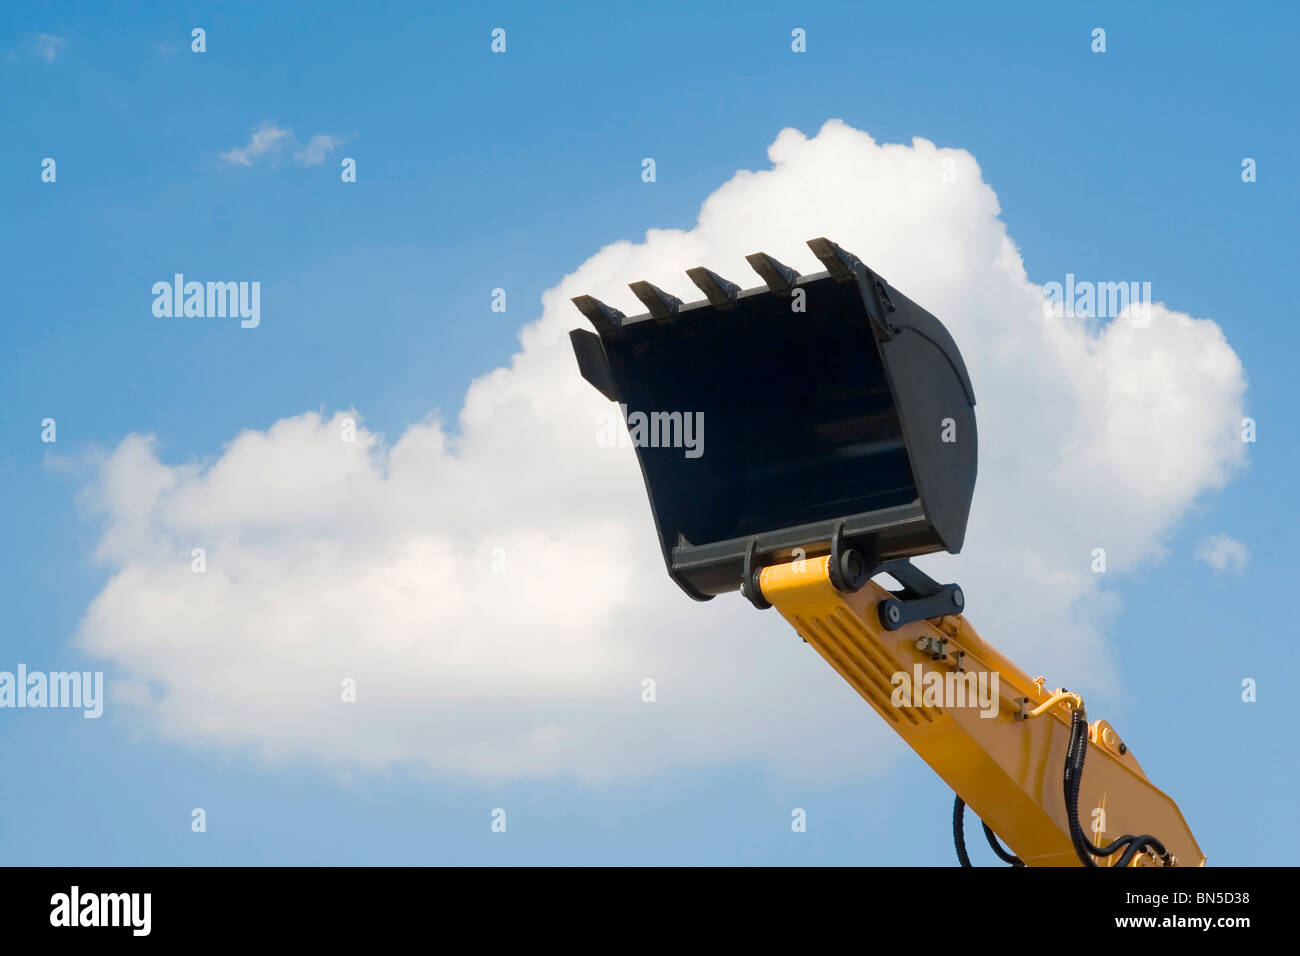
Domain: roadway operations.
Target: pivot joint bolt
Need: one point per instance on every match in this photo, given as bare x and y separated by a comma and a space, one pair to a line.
936, 647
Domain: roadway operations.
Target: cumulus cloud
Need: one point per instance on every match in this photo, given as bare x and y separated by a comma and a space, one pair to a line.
496, 590
271, 141
1223, 553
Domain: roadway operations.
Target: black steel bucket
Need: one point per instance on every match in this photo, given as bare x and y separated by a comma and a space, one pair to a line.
763, 419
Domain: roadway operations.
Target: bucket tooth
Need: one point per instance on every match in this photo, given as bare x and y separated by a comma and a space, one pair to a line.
780, 278
839, 263
604, 317
720, 293
593, 363
663, 307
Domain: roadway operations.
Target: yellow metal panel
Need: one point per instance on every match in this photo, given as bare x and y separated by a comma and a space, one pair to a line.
1008, 769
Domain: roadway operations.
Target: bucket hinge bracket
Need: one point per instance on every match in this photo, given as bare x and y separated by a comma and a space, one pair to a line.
922, 597
750, 584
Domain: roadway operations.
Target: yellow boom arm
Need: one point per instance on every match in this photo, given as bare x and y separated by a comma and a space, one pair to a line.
1006, 760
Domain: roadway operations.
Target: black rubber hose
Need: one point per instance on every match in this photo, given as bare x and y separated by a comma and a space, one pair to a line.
1074, 768
1003, 853
959, 837
1075, 754
959, 831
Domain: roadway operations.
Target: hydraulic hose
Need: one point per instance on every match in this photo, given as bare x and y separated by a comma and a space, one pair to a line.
959, 831
1084, 848
1003, 853
959, 837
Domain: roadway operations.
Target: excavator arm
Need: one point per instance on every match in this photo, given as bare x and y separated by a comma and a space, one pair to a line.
842, 443
997, 737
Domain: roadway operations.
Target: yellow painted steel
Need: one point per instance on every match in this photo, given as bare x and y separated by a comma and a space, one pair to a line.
1007, 767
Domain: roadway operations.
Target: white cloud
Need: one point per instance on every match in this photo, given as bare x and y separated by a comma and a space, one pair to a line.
1223, 553
314, 153
267, 138
328, 560
48, 46
270, 140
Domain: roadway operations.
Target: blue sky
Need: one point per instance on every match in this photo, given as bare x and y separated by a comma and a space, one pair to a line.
478, 171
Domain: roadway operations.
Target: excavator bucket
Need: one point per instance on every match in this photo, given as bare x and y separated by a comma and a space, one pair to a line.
812, 413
